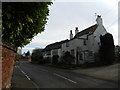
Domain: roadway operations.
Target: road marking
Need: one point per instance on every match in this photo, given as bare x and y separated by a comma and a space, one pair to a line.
24, 73
64, 78
28, 78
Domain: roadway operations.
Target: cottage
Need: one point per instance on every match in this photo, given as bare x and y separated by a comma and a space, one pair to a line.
84, 46
86, 43
53, 49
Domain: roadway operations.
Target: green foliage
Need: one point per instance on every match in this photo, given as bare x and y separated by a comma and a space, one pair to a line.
55, 59
23, 20
37, 56
18, 57
67, 58
28, 53
107, 49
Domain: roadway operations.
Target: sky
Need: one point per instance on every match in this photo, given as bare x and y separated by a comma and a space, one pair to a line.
66, 15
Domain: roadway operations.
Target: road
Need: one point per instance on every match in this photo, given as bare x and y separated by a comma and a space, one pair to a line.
49, 77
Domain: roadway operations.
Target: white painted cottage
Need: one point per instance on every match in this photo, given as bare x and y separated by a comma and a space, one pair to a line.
83, 46
53, 49
86, 43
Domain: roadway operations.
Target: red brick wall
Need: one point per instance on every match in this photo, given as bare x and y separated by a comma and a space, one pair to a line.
24, 59
8, 56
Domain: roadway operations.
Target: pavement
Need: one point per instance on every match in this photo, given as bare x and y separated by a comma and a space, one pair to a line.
110, 73
20, 80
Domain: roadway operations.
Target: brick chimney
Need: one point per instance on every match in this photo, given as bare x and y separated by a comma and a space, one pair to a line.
71, 35
99, 20
76, 30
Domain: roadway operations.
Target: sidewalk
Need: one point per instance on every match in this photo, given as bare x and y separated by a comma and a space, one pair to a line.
20, 81
109, 73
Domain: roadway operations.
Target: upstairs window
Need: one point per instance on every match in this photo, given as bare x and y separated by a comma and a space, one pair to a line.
84, 42
72, 52
67, 44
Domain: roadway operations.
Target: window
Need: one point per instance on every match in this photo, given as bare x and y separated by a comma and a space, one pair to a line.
84, 42
72, 52
55, 52
63, 52
48, 53
90, 53
81, 56
67, 44
98, 43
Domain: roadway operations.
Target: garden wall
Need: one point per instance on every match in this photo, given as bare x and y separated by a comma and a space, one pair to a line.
8, 56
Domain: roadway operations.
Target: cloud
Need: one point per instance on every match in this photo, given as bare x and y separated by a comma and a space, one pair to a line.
28, 48
65, 16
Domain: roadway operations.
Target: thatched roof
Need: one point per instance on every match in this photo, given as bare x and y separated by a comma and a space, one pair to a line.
55, 45
86, 31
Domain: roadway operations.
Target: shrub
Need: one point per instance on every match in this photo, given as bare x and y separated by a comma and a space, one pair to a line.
17, 57
37, 56
55, 59
67, 58
107, 50
47, 60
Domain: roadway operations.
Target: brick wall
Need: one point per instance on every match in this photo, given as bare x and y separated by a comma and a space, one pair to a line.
8, 56
25, 59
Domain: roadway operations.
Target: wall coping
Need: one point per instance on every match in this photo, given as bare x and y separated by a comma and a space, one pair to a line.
11, 47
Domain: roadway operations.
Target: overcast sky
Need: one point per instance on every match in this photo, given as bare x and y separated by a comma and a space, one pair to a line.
65, 16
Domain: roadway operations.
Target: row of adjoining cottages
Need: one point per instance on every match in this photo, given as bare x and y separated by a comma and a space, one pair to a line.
84, 46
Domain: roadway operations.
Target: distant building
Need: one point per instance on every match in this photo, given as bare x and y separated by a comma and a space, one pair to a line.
19, 51
83, 46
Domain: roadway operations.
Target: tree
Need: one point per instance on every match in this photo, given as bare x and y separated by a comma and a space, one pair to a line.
28, 53
37, 56
107, 49
23, 20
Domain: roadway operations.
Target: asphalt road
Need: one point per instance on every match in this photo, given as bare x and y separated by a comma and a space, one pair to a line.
49, 77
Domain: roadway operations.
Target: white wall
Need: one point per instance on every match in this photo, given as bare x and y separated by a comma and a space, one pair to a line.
90, 43
73, 45
99, 31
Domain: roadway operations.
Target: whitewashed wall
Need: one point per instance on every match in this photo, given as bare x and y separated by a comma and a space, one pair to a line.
99, 31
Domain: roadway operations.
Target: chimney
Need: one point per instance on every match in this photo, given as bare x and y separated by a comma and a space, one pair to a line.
76, 30
99, 20
71, 35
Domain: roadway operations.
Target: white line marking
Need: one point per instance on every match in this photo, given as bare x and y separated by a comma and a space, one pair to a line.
29, 78
64, 78
24, 73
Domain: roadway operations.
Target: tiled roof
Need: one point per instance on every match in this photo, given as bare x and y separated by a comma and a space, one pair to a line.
56, 45
86, 31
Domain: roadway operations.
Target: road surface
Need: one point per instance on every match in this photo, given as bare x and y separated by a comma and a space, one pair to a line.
49, 77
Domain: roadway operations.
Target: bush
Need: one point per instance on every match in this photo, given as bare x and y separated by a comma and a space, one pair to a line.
18, 57
37, 57
67, 58
107, 50
47, 60
55, 59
